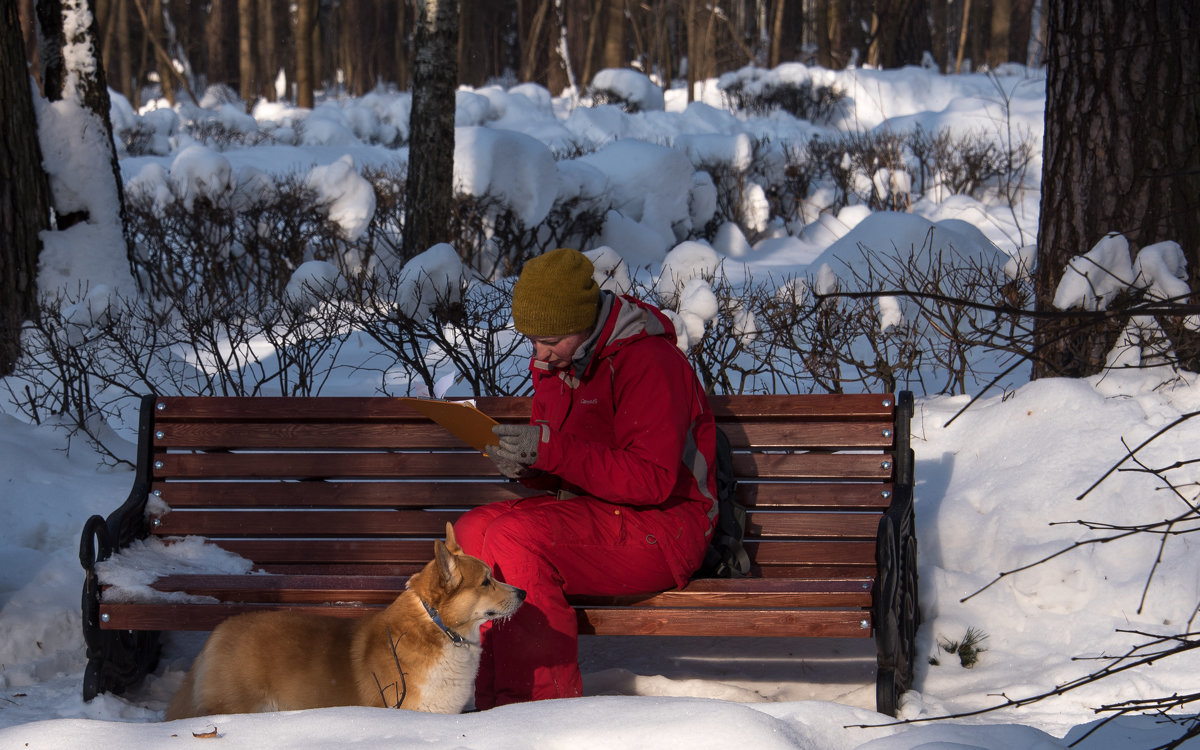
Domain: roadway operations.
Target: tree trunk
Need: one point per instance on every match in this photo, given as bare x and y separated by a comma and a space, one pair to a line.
359, 38
1001, 26
1037, 39
306, 23
777, 34
531, 55
594, 30
430, 188
247, 57
221, 35
269, 57
563, 69
692, 29
29, 30
1121, 153
24, 194
85, 78
1020, 29
402, 45
963, 28
614, 41
117, 47
130, 80
839, 42
158, 40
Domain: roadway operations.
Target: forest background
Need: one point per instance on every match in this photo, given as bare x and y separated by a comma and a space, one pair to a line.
274, 49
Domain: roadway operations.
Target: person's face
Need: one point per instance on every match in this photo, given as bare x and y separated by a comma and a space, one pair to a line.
556, 351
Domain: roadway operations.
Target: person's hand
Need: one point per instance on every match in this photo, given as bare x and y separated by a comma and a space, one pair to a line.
516, 448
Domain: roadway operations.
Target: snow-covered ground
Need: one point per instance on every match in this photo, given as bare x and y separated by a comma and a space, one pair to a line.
997, 486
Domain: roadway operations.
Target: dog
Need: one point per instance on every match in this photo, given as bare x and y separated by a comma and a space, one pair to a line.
421, 652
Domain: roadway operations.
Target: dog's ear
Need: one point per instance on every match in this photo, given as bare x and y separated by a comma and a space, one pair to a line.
447, 565
451, 542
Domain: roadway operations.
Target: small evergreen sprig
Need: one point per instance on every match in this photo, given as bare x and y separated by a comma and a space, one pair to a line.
968, 649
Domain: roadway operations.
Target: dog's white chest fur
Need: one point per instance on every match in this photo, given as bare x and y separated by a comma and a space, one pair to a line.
449, 687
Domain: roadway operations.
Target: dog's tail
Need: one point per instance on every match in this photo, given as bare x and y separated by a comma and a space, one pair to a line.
183, 705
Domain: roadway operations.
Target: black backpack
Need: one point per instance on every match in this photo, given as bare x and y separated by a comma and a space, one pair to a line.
725, 556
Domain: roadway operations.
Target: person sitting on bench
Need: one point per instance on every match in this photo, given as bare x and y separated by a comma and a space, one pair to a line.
622, 439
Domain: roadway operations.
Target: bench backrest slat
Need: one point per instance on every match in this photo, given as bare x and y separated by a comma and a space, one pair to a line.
427, 523
183, 495
412, 435
312, 466
408, 555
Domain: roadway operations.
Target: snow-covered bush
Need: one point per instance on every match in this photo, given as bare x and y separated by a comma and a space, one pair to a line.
948, 163
629, 89
759, 92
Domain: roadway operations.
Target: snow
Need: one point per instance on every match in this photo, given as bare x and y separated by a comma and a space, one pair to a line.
77, 162
429, 279
199, 172
631, 86
1000, 485
517, 169
313, 282
1093, 279
644, 184
347, 197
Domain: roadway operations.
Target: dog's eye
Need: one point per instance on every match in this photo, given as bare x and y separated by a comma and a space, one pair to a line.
487, 581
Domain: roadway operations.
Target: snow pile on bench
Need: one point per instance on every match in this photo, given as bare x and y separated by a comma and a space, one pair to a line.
130, 573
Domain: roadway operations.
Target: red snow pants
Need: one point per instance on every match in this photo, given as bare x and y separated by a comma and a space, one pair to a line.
553, 548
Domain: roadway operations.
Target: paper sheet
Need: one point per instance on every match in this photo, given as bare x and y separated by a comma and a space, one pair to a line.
471, 426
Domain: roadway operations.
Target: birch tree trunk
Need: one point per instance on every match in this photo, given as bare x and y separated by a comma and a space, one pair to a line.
79, 80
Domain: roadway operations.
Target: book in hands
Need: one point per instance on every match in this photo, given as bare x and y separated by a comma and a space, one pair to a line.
461, 418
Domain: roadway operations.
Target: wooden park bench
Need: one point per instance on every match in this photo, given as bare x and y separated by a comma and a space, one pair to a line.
339, 499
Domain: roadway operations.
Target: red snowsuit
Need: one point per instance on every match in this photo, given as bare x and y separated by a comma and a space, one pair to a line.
629, 455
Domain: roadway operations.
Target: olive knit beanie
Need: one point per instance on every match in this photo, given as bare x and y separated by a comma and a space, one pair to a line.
556, 295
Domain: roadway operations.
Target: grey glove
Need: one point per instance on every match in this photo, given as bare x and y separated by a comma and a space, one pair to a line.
516, 449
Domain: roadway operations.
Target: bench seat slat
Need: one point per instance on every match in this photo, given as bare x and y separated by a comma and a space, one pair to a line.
779, 623
833, 623
326, 589
426, 524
